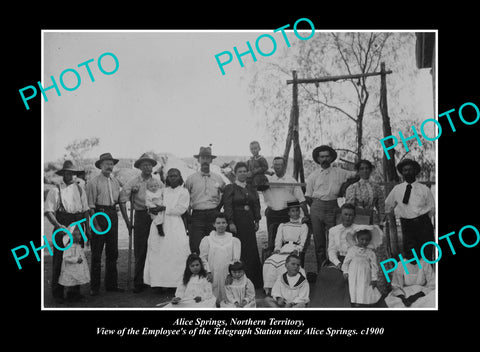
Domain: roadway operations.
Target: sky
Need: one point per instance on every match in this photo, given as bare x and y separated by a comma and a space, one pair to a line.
168, 94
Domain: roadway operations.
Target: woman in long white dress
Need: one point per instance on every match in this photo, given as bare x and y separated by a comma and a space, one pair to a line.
166, 255
217, 251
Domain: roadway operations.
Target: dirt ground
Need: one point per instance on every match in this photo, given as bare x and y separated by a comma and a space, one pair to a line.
148, 298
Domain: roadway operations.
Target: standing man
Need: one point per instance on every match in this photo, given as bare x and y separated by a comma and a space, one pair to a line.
65, 204
322, 190
142, 220
205, 190
276, 199
103, 193
414, 204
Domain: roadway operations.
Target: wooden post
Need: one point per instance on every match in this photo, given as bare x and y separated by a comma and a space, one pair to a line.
293, 118
389, 171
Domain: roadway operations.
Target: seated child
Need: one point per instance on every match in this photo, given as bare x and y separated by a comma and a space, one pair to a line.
195, 290
360, 266
74, 271
240, 293
257, 167
291, 237
154, 198
291, 290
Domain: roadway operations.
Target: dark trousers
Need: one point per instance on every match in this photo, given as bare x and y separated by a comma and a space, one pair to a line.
65, 219
108, 240
200, 225
142, 224
323, 217
415, 233
274, 218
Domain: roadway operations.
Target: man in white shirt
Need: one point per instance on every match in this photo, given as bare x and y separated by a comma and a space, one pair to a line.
414, 205
322, 191
276, 199
65, 204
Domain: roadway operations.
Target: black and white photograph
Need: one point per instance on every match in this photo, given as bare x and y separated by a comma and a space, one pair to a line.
288, 180
287, 149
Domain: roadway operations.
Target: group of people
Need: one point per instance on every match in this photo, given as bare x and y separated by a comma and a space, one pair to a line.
183, 240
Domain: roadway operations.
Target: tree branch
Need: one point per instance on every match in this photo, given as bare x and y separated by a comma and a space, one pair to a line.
330, 106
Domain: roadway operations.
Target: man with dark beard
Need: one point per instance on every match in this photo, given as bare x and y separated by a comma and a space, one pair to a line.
205, 190
322, 191
414, 205
103, 193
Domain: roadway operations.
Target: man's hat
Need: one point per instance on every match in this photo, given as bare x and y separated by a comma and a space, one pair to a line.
404, 162
205, 151
145, 157
68, 166
105, 156
323, 148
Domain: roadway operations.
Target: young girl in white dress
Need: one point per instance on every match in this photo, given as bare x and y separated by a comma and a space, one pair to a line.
74, 271
241, 292
217, 251
195, 291
360, 266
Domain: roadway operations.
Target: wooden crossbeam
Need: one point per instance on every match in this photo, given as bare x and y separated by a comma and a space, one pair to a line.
335, 78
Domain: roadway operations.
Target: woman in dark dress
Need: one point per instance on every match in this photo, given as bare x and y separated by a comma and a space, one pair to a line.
242, 209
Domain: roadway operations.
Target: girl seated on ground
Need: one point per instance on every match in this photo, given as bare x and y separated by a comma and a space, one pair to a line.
195, 290
240, 293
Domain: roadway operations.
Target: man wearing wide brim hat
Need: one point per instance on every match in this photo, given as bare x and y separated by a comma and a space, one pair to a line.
104, 157
205, 152
68, 166
322, 191
415, 165
135, 191
414, 205
205, 190
65, 204
103, 193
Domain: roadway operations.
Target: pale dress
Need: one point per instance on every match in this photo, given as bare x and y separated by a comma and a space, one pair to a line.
73, 273
217, 253
290, 236
238, 291
361, 265
417, 280
196, 287
167, 255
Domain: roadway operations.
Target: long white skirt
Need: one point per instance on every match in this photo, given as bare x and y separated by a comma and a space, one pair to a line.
427, 301
166, 256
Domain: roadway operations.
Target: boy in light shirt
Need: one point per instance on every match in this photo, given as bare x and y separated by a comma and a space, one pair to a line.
291, 290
